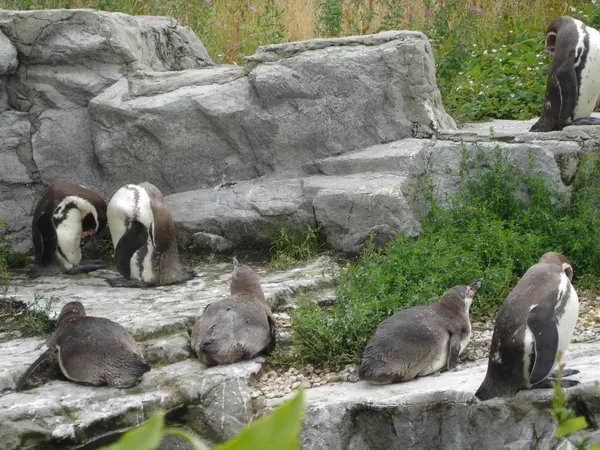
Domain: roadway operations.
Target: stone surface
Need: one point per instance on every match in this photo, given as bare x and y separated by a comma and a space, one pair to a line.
433, 412
8, 56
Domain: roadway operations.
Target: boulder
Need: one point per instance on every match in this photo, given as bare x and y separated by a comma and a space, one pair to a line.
8, 56
441, 412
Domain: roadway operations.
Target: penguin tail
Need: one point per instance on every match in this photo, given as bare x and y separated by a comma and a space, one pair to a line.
139, 368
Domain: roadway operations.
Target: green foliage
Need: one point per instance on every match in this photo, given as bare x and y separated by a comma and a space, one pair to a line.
289, 249
4, 275
35, 320
569, 426
277, 430
488, 231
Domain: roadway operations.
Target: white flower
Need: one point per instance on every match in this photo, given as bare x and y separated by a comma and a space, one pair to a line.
474, 45
572, 9
480, 93
494, 50
460, 73
485, 52
512, 95
470, 81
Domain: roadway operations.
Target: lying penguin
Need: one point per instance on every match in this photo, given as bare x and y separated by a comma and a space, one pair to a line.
419, 341
573, 85
64, 213
92, 351
143, 235
238, 327
535, 322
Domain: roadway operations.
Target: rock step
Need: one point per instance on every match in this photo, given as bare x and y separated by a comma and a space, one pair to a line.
441, 412
62, 413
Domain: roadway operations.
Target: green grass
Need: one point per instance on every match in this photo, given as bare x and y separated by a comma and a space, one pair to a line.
33, 320
288, 249
488, 232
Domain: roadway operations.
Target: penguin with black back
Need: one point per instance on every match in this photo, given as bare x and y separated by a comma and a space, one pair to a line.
534, 324
573, 84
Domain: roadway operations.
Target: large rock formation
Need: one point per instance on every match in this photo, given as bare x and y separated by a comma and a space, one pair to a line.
105, 99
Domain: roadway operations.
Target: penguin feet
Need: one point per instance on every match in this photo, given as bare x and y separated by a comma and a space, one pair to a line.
565, 373
587, 121
87, 266
126, 283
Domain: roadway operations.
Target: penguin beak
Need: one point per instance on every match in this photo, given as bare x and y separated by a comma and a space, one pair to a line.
473, 287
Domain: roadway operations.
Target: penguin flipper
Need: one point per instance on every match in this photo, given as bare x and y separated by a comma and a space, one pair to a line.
453, 351
272, 337
132, 240
545, 335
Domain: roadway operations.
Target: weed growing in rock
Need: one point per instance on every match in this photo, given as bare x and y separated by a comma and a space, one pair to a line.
488, 231
35, 320
290, 249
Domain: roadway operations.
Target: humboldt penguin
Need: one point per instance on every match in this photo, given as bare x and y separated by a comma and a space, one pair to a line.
238, 327
92, 351
573, 85
65, 213
419, 341
535, 322
143, 235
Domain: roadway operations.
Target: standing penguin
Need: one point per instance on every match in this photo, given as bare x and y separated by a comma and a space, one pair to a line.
238, 327
420, 341
535, 322
64, 213
92, 351
143, 235
573, 85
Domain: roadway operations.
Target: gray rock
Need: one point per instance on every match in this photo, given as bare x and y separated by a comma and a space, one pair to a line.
431, 412
8, 56
210, 243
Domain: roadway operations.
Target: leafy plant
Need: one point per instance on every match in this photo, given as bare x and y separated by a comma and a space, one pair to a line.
289, 249
37, 319
278, 430
569, 425
499, 224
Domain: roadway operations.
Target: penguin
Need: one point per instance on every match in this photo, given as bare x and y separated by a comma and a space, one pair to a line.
419, 341
534, 324
238, 327
92, 351
573, 84
65, 213
143, 236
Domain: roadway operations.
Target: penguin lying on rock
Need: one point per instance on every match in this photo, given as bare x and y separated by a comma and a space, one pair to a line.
535, 322
420, 341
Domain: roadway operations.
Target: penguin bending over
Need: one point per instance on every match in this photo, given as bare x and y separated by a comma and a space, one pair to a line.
92, 351
143, 235
64, 213
420, 341
573, 85
238, 327
535, 322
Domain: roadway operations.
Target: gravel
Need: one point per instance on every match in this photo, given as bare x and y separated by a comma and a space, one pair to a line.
276, 382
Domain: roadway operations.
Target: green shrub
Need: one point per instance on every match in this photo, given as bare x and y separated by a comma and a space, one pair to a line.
487, 232
288, 249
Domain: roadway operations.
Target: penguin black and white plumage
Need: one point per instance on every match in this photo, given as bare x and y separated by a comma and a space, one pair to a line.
573, 85
143, 235
64, 213
534, 324
419, 341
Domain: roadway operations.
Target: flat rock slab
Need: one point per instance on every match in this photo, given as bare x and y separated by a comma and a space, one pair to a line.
149, 313
441, 412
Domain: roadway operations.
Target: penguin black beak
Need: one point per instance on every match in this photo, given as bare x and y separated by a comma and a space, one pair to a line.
473, 287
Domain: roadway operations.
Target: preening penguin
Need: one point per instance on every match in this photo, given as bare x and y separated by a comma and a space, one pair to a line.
535, 322
143, 235
64, 213
92, 351
238, 327
420, 341
573, 85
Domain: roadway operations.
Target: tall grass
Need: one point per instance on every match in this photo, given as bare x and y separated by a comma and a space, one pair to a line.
490, 232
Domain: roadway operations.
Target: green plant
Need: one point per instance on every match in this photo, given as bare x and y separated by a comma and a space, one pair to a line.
36, 319
290, 249
569, 425
278, 430
501, 221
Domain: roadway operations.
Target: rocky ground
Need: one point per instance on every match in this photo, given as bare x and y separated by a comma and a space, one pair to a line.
276, 382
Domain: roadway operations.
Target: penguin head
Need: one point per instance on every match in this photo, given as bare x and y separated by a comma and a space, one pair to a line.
460, 297
558, 259
245, 282
70, 310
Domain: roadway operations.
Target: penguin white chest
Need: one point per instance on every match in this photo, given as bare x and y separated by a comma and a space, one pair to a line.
567, 312
589, 89
68, 235
131, 202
